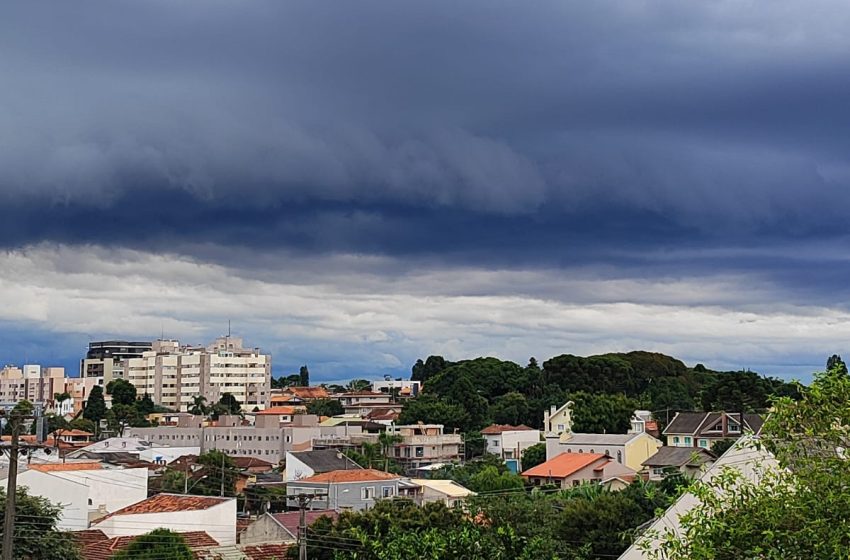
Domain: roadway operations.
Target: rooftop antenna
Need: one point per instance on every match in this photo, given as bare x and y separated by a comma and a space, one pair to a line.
228, 328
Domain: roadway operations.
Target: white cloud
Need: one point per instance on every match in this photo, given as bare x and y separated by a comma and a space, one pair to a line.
344, 322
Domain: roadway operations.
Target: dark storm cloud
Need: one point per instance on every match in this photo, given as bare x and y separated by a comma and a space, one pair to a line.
474, 132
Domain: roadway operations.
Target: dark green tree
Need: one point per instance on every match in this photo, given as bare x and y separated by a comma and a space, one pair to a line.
230, 404
431, 410
123, 392
157, 545
358, 385
511, 408
602, 413
95, 405
36, 535
423, 371
325, 407
534, 455
199, 406
835, 363
304, 376
145, 405
217, 466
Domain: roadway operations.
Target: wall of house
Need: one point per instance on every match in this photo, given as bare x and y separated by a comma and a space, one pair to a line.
72, 495
110, 489
266, 530
611, 450
587, 474
348, 495
219, 522
639, 450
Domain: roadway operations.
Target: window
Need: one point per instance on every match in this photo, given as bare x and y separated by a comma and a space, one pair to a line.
367, 493
619, 456
734, 427
420, 451
675, 440
687, 440
703, 443
560, 427
658, 471
386, 491
495, 443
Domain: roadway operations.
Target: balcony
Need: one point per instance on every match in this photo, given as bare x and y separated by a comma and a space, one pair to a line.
445, 439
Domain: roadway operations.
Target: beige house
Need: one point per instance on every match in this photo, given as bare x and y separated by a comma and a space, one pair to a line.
558, 420
630, 450
425, 444
572, 469
447, 491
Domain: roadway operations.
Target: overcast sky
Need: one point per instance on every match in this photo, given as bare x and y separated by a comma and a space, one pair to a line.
358, 184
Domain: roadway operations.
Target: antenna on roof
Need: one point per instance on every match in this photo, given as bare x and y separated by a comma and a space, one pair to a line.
228, 328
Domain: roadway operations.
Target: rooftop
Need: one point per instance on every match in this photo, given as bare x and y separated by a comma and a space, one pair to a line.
692, 422
96, 545
269, 551
161, 503
448, 487
679, 456
359, 475
564, 465
326, 460
241, 462
307, 392
281, 410
53, 467
597, 439
289, 521
493, 429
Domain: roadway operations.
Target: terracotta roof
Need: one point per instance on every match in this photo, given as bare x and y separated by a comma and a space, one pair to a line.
265, 551
106, 549
357, 475
365, 393
499, 428
250, 462
564, 465
287, 410
289, 521
161, 503
73, 432
307, 392
89, 536
54, 467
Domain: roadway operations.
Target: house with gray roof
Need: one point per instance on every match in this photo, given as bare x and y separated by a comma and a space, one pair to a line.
703, 429
630, 450
689, 461
305, 464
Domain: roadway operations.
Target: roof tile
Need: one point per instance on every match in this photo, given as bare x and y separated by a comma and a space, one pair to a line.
161, 503
356, 475
564, 465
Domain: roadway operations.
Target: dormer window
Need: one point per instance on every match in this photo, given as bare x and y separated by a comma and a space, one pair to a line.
734, 427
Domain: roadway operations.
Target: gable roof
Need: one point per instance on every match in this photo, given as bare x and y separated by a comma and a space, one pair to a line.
564, 465
95, 548
162, 503
243, 462
678, 456
494, 429
694, 423
326, 460
599, 439
55, 467
307, 392
448, 487
357, 475
290, 520
277, 410
268, 551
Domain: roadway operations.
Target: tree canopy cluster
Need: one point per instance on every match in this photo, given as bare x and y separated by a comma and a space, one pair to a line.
606, 389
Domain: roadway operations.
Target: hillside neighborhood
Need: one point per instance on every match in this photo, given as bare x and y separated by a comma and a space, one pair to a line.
281, 467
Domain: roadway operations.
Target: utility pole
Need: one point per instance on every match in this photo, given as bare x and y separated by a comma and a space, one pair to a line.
11, 489
186, 477
304, 501
222, 474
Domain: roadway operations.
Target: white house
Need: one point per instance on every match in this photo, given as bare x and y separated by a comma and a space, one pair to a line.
558, 420
509, 442
216, 516
84, 490
435, 490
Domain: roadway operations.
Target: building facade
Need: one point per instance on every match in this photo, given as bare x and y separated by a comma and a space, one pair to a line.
104, 359
422, 445
34, 383
174, 375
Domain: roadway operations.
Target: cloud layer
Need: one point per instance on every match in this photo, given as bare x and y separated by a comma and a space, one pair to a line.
449, 164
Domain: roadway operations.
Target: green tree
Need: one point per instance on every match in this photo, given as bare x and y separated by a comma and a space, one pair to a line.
287, 381
123, 392
304, 376
217, 466
325, 407
836, 363
157, 545
511, 408
199, 406
431, 410
534, 455
602, 413
95, 409
83, 424
358, 385
423, 371
36, 536
230, 404
798, 509
491, 479
145, 405
61, 397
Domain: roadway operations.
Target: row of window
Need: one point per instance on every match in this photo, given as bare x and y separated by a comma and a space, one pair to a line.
687, 441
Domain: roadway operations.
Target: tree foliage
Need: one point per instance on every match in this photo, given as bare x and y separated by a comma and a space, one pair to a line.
304, 376
157, 545
95, 405
534, 455
123, 392
796, 509
325, 407
36, 536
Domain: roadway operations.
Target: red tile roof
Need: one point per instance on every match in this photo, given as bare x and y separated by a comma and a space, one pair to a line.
161, 503
493, 429
307, 392
290, 520
281, 410
242, 462
94, 548
265, 551
354, 475
564, 465
55, 467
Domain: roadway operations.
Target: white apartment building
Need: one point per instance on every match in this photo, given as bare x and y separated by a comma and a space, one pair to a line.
34, 383
173, 375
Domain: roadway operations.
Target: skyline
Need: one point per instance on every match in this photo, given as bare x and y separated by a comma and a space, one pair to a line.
357, 187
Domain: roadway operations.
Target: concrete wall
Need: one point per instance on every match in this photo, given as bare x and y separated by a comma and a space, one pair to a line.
71, 496
110, 489
266, 530
218, 521
345, 496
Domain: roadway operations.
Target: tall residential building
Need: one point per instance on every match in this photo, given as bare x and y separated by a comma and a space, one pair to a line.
173, 375
104, 359
32, 382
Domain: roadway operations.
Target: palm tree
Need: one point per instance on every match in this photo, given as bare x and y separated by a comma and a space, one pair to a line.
199, 407
387, 440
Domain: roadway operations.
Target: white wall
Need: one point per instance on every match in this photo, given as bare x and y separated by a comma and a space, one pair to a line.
517, 441
167, 454
296, 469
112, 489
71, 496
218, 521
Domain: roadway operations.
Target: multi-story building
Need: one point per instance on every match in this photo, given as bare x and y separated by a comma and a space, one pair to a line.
423, 445
509, 442
174, 375
703, 429
363, 402
33, 383
104, 359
